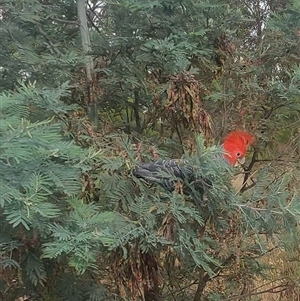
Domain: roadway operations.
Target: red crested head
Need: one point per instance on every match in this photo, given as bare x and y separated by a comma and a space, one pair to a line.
235, 145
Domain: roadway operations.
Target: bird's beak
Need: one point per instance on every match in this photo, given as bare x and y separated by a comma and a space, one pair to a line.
241, 160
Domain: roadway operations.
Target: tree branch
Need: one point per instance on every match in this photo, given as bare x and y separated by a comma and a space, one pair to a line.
205, 277
272, 290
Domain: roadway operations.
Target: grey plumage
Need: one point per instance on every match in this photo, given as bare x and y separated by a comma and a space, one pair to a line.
169, 172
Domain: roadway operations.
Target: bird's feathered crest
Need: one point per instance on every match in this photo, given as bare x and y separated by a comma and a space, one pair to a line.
240, 138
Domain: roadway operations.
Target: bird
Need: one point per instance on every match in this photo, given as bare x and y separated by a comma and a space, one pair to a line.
167, 173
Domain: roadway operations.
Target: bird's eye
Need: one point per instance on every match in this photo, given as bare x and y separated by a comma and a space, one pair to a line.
238, 154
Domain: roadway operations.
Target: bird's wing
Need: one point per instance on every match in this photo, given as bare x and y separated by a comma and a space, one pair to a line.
165, 172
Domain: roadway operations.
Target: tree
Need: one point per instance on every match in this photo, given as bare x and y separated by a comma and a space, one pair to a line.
76, 224
35, 39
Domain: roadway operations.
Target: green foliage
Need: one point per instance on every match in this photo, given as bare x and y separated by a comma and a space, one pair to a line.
36, 44
83, 234
40, 172
76, 225
34, 158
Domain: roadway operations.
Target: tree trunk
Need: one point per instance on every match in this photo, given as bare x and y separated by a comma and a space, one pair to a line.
92, 110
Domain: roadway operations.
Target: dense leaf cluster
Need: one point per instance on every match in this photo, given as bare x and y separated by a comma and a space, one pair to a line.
75, 224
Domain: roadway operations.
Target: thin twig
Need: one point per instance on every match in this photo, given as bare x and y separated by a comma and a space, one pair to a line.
272, 290
64, 21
